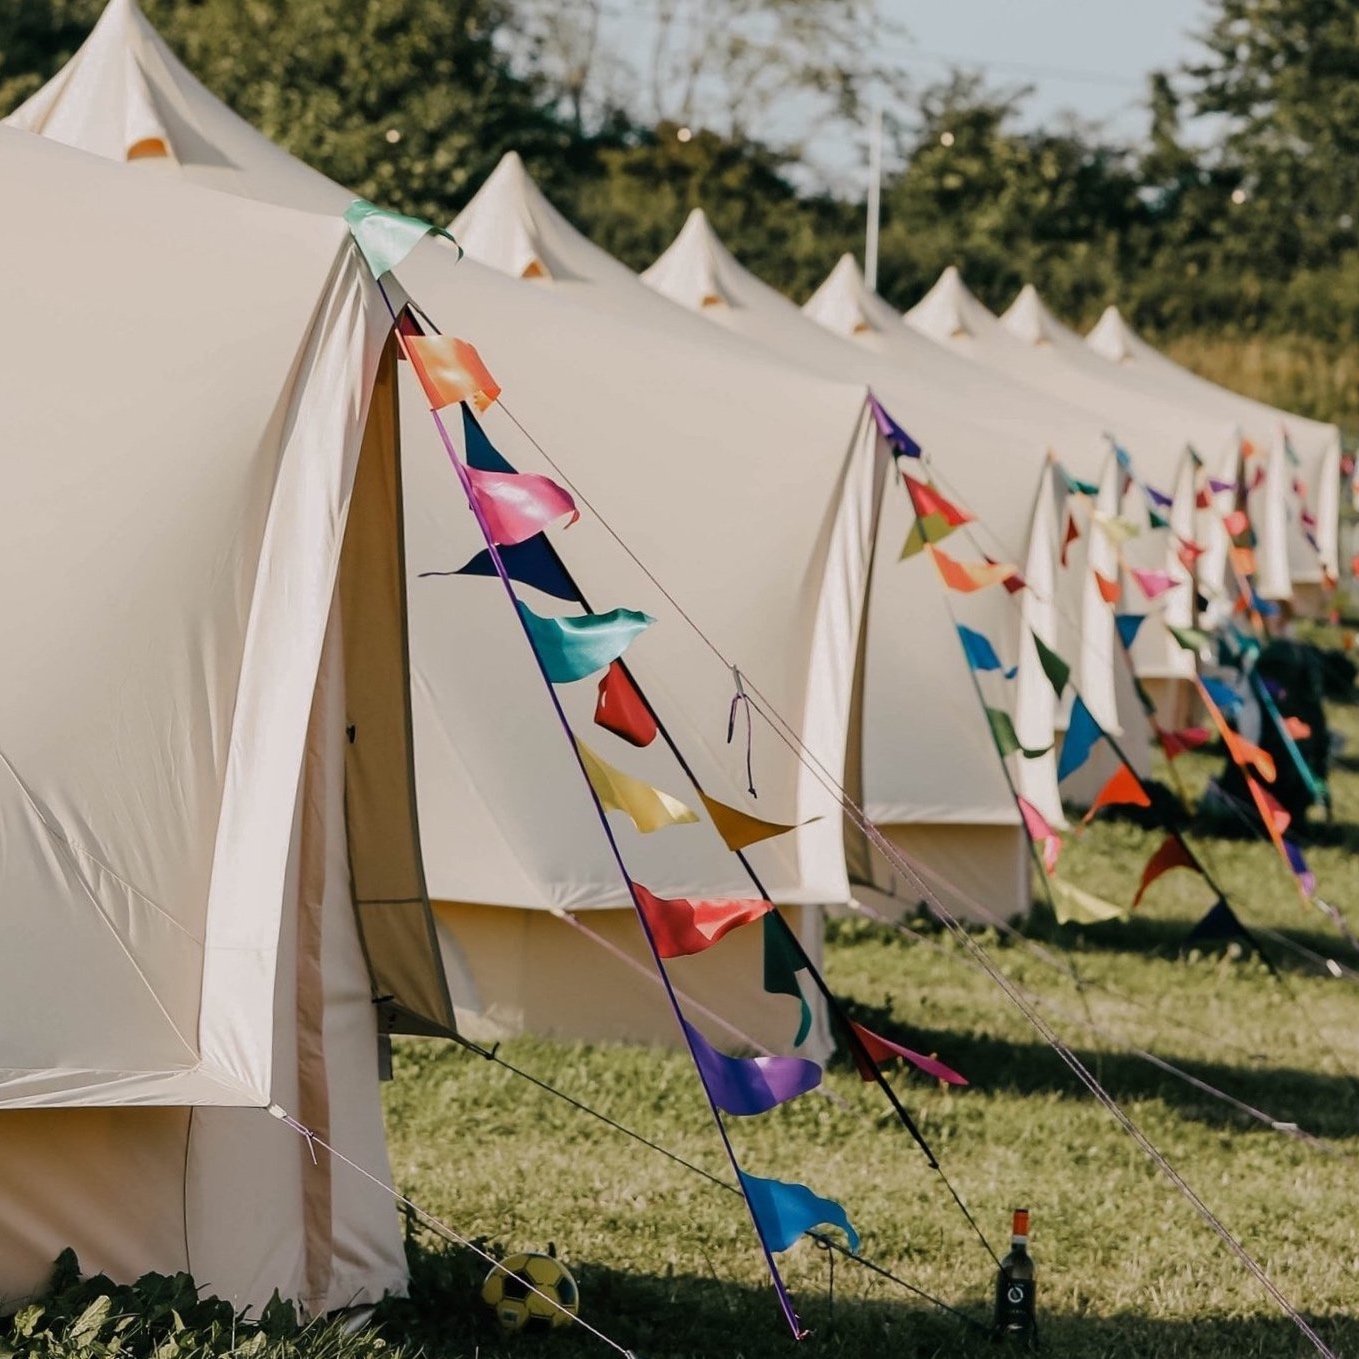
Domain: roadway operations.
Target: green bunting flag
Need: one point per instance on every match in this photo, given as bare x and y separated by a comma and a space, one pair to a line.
1054, 667
385, 238
782, 962
1191, 639
1006, 738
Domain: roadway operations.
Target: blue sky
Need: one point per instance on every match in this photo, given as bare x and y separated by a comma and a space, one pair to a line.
1088, 56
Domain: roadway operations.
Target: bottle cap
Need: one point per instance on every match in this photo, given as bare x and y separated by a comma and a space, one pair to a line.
1021, 1222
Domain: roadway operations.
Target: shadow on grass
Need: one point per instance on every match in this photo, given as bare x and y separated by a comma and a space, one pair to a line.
1325, 1105
677, 1316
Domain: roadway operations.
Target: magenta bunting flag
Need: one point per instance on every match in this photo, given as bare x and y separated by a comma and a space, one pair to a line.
880, 1049
745, 1086
681, 927
1153, 584
518, 505
783, 1212
1041, 833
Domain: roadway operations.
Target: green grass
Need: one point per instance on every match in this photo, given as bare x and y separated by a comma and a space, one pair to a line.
667, 1263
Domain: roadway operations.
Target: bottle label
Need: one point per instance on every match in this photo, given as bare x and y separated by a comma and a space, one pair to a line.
1016, 1304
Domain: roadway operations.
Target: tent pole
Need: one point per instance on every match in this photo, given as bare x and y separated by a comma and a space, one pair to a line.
874, 199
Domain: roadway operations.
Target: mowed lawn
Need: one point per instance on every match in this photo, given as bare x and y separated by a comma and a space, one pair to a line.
667, 1263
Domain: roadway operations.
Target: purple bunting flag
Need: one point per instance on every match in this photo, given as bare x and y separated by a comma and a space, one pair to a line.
745, 1086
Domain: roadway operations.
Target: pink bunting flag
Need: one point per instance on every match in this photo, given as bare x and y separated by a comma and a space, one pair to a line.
1153, 584
1041, 833
880, 1050
519, 505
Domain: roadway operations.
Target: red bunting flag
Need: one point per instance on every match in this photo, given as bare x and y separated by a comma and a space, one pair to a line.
1257, 480
1153, 584
1124, 789
1173, 853
969, 576
681, 928
1109, 590
1247, 448
1203, 500
1071, 535
926, 501
1177, 743
880, 1050
1189, 552
622, 710
519, 505
1012, 583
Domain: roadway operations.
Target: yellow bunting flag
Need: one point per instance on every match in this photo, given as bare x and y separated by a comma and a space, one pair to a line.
1115, 528
648, 808
1073, 904
740, 829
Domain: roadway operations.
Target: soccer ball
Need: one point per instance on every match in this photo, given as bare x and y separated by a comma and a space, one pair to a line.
509, 1292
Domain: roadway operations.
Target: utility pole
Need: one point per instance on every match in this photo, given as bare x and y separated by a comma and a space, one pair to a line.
874, 200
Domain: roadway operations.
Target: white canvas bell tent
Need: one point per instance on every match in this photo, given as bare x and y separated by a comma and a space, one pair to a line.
966, 419
1033, 348
1273, 432
967, 831
202, 556
682, 446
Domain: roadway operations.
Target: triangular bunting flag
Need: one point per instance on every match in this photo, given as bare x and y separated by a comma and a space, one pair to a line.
1191, 639
681, 928
1153, 584
529, 563
1013, 583
1159, 498
479, 451
782, 963
745, 1086
1177, 743
517, 506
1173, 853
784, 1212
1070, 536
1128, 625
385, 238
1220, 923
880, 1050
1054, 667
1074, 904
571, 648
1082, 731
1123, 789
896, 438
1115, 528
622, 710
969, 576
981, 655
1109, 590
1306, 878
646, 807
1006, 738
739, 829
1041, 833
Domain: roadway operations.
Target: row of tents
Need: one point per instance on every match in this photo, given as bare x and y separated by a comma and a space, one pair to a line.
276, 784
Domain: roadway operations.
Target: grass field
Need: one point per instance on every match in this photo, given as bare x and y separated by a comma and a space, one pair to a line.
666, 1261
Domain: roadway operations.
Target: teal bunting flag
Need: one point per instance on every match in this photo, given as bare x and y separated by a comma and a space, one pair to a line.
782, 962
981, 655
573, 647
784, 1212
1074, 486
385, 238
1054, 667
1191, 639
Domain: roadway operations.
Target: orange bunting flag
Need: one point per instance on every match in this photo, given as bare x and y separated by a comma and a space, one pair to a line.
1247, 448
450, 370
1189, 553
969, 576
1245, 754
1243, 560
739, 829
1071, 535
1272, 812
1173, 853
1297, 728
1124, 789
680, 927
1109, 590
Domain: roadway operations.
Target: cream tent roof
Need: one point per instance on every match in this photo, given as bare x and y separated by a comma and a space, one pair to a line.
683, 447
1316, 444
176, 868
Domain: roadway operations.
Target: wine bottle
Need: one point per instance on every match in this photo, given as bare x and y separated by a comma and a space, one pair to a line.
1015, 1284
